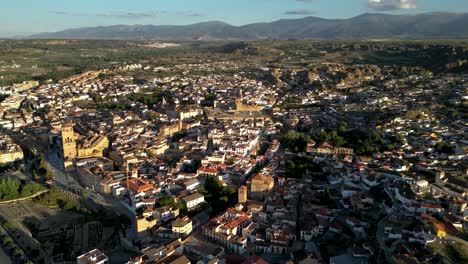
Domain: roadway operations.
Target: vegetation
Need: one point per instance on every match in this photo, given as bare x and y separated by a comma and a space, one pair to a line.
3, 97
218, 196
454, 251
193, 167
56, 60
363, 143
57, 198
379, 194
178, 136
405, 190
168, 200
443, 147
297, 167
11, 189
39, 168
7, 241
5, 167
295, 141
100, 103
150, 97
457, 252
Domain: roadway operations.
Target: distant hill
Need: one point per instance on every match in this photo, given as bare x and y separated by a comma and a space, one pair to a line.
366, 26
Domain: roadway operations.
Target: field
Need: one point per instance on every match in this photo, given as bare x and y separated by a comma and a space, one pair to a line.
42, 60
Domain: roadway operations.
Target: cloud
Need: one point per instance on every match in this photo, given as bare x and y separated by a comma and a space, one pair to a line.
189, 14
64, 13
123, 15
130, 15
390, 5
299, 12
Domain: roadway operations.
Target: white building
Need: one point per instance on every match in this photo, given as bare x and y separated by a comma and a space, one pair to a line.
94, 256
193, 201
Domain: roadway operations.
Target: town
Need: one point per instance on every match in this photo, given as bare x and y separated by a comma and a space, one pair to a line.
233, 162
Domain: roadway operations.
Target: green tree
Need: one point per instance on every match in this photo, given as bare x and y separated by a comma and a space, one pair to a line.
166, 200
49, 175
443, 147
343, 127
295, 141
7, 240
18, 252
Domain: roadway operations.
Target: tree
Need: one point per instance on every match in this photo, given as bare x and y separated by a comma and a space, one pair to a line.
219, 196
296, 141
7, 240
49, 175
166, 200
18, 252
30, 189
443, 147
343, 127
453, 113
201, 189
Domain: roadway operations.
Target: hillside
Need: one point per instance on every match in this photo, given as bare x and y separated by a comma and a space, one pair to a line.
366, 26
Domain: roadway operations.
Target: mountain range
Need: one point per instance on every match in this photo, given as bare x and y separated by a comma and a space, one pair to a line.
366, 26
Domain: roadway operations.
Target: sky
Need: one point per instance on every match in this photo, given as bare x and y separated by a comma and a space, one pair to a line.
23, 17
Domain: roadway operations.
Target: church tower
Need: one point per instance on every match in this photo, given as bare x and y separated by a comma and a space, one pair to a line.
239, 105
242, 194
68, 141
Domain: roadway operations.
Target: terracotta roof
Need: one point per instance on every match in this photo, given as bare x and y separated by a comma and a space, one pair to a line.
138, 185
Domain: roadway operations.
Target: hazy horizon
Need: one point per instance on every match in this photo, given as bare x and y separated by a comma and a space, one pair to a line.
59, 15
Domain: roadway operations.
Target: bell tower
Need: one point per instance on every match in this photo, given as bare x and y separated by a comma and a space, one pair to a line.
68, 141
242, 194
239, 105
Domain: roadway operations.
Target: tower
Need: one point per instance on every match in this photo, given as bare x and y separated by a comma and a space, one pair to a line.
181, 118
239, 105
242, 194
68, 141
439, 176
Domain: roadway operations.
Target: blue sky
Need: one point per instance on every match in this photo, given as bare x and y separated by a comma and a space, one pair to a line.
31, 16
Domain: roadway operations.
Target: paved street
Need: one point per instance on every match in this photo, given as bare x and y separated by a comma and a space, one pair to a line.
4, 259
65, 180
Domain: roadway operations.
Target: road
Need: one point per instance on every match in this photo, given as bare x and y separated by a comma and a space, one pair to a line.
4, 259
380, 237
67, 182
